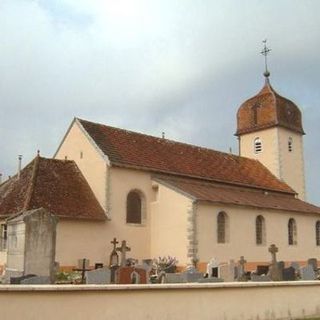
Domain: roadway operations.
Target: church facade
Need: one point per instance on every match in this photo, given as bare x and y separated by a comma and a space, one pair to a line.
169, 198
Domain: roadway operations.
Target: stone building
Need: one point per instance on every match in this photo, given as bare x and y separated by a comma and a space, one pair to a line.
170, 198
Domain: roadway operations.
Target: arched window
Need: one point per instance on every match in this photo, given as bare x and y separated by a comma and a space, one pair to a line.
222, 227
134, 207
290, 142
260, 230
257, 145
318, 233
292, 232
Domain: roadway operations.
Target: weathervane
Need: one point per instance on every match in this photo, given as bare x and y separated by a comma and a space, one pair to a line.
265, 51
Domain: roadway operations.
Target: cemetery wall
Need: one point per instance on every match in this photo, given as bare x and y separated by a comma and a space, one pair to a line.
218, 301
244, 243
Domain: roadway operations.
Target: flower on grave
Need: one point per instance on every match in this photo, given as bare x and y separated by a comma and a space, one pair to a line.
166, 264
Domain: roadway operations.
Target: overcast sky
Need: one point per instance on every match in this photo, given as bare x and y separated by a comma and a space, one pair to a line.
179, 66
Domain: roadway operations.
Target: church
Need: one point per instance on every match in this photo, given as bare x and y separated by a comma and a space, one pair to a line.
170, 198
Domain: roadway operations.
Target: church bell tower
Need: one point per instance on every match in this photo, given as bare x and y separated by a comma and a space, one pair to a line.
269, 129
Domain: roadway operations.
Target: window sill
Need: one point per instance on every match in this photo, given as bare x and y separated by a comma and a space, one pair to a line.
130, 224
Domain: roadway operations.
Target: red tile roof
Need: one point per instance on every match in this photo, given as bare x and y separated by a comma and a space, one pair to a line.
268, 109
136, 150
56, 185
216, 193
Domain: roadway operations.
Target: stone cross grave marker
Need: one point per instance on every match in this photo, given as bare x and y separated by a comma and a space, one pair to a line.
273, 250
123, 250
241, 271
276, 269
114, 258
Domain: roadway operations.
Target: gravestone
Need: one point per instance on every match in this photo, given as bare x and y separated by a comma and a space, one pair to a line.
17, 280
275, 269
36, 280
295, 265
262, 270
31, 244
314, 263
210, 280
114, 258
99, 276
307, 273
289, 274
212, 268
174, 278
131, 275
226, 271
260, 278
241, 273
191, 274
123, 251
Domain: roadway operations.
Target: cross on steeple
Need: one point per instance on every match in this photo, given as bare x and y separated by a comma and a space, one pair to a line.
265, 51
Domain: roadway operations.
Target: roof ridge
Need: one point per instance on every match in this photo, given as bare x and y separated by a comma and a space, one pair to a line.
168, 140
32, 183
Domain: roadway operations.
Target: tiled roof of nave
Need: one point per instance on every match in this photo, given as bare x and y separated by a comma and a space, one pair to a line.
131, 149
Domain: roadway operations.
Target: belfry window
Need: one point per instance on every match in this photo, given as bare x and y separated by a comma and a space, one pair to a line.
257, 145
290, 142
318, 233
222, 227
292, 232
135, 207
260, 230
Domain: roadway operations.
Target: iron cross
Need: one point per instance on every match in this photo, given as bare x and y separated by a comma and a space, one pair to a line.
265, 51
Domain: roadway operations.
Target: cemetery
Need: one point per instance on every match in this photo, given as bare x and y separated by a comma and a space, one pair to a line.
31, 260
146, 285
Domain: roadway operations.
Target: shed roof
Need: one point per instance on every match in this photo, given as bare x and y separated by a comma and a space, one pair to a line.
222, 194
56, 185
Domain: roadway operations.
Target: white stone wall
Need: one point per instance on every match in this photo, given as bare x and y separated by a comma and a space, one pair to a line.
242, 241
228, 301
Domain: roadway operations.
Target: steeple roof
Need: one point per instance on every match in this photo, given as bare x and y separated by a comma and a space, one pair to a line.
268, 109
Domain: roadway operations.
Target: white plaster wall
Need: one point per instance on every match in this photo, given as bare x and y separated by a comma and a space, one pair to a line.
92, 165
270, 148
122, 181
84, 239
242, 234
169, 228
230, 301
292, 163
81, 239
287, 166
